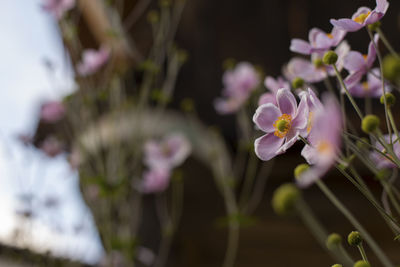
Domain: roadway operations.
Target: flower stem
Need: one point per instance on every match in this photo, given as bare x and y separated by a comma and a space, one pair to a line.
339, 77
371, 242
386, 42
362, 252
383, 84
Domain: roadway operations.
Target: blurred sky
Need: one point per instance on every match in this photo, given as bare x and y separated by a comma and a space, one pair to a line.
34, 69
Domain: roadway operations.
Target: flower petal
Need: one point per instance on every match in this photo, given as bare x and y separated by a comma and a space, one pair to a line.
300, 46
265, 117
353, 78
354, 61
266, 146
267, 98
301, 119
373, 17
372, 51
346, 24
382, 6
286, 102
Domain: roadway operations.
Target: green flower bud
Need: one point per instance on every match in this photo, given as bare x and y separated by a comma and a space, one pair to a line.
370, 123
391, 67
153, 17
337, 265
361, 264
374, 26
284, 198
297, 83
390, 99
300, 169
354, 238
333, 241
330, 58
318, 63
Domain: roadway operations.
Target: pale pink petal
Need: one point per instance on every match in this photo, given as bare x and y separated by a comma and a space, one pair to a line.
346, 24
287, 102
266, 146
267, 98
265, 116
354, 61
300, 46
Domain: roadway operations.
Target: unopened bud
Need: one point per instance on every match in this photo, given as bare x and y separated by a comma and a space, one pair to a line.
370, 123
330, 58
390, 99
300, 169
284, 198
361, 264
333, 241
297, 83
354, 238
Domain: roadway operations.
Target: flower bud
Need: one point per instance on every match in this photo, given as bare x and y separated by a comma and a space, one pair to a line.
337, 265
284, 198
374, 26
391, 67
297, 83
354, 238
333, 241
318, 63
361, 264
300, 169
370, 123
390, 99
330, 58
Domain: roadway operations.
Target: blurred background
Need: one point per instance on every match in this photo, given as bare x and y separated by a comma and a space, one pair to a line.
257, 31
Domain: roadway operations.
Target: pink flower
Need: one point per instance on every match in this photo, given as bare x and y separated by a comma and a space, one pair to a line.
155, 180
58, 7
282, 124
93, 60
358, 64
313, 104
238, 85
324, 140
372, 87
311, 71
319, 41
363, 17
167, 153
380, 160
52, 111
273, 85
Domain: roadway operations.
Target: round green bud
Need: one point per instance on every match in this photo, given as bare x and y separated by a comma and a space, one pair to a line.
370, 123
390, 99
284, 198
333, 241
300, 169
374, 26
297, 83
337, 265
391, 67
361, 264
318, 63
330, 58
354, 238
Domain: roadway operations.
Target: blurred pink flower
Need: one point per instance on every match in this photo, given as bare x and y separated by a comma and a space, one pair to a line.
167, 153
238, 85
155, 180
273, 85
324, 141
52, 111
93, 60
380, 160
58, 7
372, 87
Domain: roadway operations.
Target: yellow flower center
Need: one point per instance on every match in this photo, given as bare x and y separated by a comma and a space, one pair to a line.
282, 125
310, 121
365, 86
362, 17
330, 35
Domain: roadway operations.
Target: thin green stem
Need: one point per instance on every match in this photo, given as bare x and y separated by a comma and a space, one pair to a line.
362, 252
383, 84
393, 123
386, 42
371, 242
388, 190
352, 101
